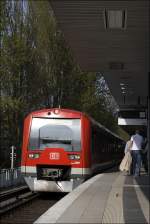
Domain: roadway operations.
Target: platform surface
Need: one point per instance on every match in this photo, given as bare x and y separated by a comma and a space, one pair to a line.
112, 197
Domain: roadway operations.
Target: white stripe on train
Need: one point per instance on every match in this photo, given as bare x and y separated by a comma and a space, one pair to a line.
83, 171
32, 169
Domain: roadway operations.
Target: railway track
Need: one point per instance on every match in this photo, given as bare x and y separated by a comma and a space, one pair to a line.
31, 208
13, 192
13, 198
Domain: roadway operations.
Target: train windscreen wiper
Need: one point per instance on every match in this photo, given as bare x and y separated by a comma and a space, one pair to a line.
48, 140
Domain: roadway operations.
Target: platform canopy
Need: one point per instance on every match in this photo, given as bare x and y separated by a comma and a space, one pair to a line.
110, 37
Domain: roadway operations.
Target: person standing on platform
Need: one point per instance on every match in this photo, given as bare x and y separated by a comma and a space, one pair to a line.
137, 142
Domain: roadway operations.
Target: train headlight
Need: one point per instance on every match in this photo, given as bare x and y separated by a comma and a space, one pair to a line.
31, 156
74, 156
34, 155
56, 111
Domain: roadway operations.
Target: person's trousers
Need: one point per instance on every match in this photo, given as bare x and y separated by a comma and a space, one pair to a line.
136, 162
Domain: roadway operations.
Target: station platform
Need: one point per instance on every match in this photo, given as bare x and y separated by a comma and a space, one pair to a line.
111, 197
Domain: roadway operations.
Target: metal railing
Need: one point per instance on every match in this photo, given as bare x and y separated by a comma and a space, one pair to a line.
11, 177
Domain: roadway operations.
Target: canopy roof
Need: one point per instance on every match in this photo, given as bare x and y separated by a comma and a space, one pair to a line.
110, 37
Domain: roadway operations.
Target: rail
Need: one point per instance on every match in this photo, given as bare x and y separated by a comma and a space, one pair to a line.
4, 195
15, 199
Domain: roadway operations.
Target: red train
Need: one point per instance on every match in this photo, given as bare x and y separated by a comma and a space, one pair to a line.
62, 147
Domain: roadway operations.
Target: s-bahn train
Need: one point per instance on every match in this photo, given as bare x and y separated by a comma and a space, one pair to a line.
62, 147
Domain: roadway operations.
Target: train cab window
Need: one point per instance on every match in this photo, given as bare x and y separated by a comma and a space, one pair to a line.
55, 133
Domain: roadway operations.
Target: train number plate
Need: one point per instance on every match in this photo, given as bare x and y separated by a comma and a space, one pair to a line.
54, 155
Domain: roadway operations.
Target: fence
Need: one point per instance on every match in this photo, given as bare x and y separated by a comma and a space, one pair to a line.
11, 177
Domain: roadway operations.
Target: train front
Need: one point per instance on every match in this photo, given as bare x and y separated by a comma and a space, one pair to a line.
51, 153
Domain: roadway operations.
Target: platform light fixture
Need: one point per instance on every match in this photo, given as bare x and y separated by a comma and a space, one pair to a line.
115, 19
123, 87
122, 84
126, 88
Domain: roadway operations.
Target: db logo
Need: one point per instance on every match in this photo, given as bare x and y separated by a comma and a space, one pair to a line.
54, 155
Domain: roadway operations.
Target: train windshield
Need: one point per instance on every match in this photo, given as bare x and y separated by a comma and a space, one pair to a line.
55, 133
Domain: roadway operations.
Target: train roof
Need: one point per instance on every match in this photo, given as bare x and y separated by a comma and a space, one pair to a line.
55, 111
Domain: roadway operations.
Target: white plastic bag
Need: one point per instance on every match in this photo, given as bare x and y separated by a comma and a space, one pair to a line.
126, 162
